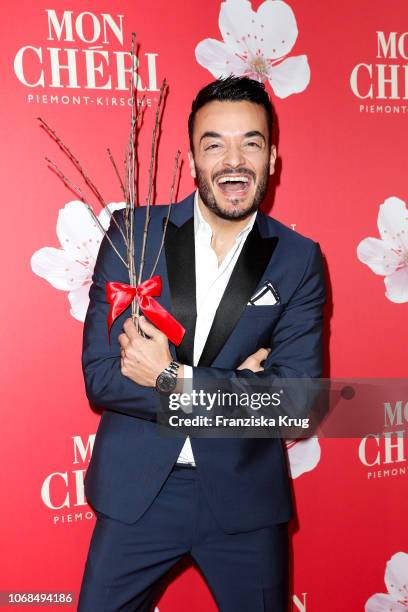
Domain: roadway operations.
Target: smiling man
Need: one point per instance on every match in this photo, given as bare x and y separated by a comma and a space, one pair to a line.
249, 292
231, 157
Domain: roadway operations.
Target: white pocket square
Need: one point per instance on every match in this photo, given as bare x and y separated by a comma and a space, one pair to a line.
267, 295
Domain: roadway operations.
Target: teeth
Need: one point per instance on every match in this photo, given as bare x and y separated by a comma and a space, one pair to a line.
233, 179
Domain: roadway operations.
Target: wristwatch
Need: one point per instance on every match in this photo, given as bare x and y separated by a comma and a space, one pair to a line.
167, 380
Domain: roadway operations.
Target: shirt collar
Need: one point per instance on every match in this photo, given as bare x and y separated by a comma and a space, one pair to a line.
201, 227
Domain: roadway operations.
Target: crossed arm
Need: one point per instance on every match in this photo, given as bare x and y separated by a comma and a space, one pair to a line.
143, 359
121, 376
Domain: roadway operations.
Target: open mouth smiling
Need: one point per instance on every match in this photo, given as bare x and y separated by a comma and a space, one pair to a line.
234, 184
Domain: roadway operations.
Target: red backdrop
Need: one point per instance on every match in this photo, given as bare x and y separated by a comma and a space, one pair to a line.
342, 146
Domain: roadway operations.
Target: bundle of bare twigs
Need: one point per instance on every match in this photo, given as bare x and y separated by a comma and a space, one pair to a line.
129, 186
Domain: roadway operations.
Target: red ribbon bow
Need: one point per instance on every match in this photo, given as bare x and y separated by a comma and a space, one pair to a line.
120, 296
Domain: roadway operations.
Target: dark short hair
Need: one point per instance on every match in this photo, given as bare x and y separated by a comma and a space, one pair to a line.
232, 89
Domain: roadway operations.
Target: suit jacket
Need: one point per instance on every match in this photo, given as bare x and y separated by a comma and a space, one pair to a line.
245, 479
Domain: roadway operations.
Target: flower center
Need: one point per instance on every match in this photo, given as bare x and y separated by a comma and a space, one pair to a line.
257, 66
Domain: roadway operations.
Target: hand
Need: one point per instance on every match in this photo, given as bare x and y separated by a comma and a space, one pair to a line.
143, 359
253, 362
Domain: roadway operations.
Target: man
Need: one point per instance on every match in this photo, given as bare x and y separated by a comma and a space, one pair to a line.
226, 502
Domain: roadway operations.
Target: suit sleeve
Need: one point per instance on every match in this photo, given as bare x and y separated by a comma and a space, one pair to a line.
104, 382
295, 343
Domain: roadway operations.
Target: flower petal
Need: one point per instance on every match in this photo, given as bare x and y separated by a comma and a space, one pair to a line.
384, 603
218, 59
393, 223
104, 216
78, 233
303, 455
280, 29
396, 576
236, 21
378, 256
397, 286
58, 268
79, 300
290, 76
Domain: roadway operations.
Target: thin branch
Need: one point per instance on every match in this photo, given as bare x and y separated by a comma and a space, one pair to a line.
117, 173
151, 171
138, 114
140, 107
153, 149
67, 182
176, 163
95, 218
80, 169
82, 197
73, 159
131, 185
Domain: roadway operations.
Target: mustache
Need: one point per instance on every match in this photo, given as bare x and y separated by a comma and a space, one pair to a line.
232, 172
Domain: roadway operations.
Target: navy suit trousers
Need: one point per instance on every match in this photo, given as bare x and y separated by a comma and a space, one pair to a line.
246, 572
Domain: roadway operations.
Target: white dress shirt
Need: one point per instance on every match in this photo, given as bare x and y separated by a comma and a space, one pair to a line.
211, 282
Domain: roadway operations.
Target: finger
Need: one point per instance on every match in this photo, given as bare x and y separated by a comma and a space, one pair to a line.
130, 329
256, 367
123, 340
251, 364
262, 353
149, 329
248, 364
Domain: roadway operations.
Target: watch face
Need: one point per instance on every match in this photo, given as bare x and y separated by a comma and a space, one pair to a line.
166, 382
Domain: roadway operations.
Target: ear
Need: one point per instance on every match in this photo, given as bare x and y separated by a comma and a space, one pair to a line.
191, 164
273, 160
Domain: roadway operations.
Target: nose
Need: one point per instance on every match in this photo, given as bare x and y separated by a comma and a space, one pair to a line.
234, 157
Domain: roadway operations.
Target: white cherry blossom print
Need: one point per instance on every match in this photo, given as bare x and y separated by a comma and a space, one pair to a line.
303, 455
388, 256
255, 44
396, 581
70, 267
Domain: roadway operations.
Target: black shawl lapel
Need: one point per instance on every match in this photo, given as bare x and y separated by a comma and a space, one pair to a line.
180, 261
252, 261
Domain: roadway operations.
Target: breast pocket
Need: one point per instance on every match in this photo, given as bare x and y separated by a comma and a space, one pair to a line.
269, 312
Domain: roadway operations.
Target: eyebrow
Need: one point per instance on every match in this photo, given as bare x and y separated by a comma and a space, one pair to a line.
251, 134
210, 135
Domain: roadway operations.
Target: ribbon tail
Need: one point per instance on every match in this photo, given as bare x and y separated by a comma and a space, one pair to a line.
164, 321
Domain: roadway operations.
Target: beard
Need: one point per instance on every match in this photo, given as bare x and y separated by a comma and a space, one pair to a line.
208, 198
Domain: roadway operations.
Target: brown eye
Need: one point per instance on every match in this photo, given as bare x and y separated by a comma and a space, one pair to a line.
212, 148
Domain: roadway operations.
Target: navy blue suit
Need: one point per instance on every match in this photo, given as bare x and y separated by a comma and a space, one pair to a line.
243, 481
